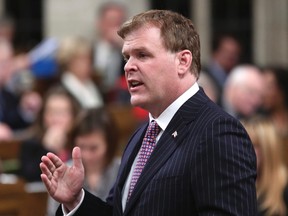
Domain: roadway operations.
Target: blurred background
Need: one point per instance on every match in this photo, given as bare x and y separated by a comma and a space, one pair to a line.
62, 85
260, 24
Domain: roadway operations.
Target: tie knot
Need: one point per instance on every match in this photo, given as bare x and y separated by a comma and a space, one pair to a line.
153, 129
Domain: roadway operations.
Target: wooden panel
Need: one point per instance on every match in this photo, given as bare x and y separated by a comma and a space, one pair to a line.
9, 149
35, 204
11, 199
9, 156
16, 200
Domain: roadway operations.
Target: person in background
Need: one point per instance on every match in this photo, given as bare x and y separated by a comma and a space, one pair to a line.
7, 28
243, 91
272, 179
20, 58
97, 138
226, 55
74, 56
17, 111
50, 133
209, 86
275, 103
108, 60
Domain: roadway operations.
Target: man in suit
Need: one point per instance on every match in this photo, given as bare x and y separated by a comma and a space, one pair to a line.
203, 162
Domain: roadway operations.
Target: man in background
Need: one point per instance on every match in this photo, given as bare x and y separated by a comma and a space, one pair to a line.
243, 91
108, 60
226, 55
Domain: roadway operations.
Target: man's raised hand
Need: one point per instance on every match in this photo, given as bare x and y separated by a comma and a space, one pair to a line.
63, 183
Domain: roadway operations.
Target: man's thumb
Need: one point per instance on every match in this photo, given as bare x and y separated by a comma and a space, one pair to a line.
77, 158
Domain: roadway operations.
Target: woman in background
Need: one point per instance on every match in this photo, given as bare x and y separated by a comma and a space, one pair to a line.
50, 133
275, 103
271, 184
96, 135
74, 57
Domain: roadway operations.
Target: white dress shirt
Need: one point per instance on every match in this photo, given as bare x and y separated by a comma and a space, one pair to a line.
163, 120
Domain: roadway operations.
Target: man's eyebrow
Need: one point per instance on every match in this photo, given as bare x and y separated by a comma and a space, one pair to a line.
137, 49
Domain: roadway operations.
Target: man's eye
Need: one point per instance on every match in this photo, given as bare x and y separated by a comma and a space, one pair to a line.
125, 58
142, 55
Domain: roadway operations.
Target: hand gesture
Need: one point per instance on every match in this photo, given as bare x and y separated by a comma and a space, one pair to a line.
63, 183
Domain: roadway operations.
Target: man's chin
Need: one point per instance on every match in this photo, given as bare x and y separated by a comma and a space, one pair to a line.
137, 102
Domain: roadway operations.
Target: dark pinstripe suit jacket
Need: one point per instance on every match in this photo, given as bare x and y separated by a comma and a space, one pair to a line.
209, 168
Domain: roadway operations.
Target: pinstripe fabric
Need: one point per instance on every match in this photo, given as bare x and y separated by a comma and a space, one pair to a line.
209, 168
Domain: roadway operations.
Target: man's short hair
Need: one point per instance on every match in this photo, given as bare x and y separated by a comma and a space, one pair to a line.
178, 32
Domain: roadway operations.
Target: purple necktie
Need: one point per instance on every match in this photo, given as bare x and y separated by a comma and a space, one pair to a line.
146, 149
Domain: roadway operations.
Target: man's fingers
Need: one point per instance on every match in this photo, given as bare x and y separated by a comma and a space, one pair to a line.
57, 162
46, 171
47, 183
50, 166
77, 158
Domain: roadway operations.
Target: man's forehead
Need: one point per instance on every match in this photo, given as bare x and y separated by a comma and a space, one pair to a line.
143, 33
141, 30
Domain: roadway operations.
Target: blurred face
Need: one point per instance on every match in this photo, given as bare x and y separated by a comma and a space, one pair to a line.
272, 94
150, 70
81, 65
228, 54
7, 32
93, 149
6, 62
249, 96
109, 24
58, 112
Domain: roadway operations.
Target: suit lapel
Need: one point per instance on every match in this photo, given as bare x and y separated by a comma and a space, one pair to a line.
165, 147
168, 143
130, 153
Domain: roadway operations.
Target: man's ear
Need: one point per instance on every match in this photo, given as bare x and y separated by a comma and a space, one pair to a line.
184, 61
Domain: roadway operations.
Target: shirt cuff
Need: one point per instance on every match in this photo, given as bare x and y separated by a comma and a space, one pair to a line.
76, 208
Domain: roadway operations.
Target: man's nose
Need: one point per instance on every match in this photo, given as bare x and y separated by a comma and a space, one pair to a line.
130, 66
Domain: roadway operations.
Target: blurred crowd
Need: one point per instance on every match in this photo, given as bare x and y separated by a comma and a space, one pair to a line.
90, 72
66, 93
60, 94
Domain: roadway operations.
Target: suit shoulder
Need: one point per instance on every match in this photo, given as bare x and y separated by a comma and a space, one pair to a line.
213, 111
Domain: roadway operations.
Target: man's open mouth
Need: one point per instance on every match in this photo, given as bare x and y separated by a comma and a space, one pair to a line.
134, 84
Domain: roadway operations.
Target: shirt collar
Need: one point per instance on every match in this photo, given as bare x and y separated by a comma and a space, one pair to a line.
166, 116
